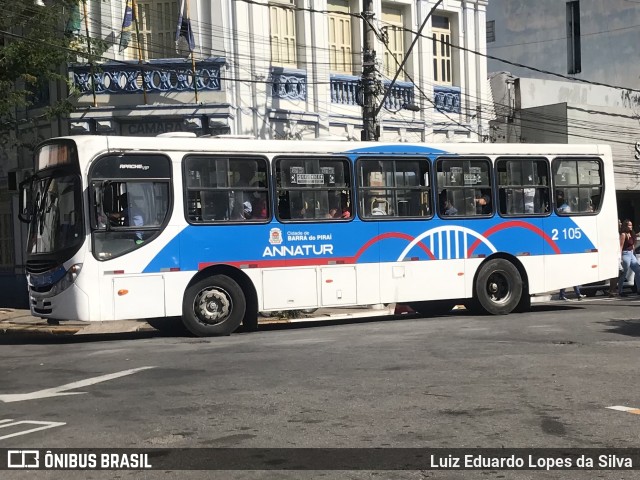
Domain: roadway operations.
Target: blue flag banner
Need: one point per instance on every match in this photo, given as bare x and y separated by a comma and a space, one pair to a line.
127, 25
75, 20
184, 29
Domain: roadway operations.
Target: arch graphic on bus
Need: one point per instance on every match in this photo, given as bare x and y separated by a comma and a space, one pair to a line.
410, 238
440, 245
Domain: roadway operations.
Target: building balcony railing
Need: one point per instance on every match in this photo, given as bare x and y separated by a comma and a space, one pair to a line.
152, 76
446, 99
401, 95
346, 90
288, 83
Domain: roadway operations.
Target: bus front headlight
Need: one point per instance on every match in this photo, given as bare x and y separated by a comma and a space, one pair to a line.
68, 279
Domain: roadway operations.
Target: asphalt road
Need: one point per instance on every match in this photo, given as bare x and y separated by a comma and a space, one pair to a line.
540, 379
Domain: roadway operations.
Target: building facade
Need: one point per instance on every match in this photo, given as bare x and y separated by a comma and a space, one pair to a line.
562, 71
281, 69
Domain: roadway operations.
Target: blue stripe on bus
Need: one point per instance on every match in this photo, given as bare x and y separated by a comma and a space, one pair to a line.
276, 244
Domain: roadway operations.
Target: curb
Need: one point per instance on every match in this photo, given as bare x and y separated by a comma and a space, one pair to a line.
14, 328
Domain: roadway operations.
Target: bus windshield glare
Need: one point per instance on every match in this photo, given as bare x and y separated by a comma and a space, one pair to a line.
56, 223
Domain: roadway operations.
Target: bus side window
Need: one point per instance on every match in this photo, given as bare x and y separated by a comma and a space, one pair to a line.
580, 181
313, 188
523, 186
394, 187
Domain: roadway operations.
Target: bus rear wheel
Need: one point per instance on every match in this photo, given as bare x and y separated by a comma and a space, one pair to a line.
498, 287
213, 306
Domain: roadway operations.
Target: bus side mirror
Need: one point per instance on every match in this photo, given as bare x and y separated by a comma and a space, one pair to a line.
25, 200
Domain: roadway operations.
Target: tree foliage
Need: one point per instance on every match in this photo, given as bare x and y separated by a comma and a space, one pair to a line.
37, 42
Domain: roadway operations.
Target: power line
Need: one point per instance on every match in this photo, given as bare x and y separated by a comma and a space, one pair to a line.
427, 98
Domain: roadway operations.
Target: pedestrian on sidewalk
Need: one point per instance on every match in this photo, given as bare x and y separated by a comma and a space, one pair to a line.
576, 289
629, 261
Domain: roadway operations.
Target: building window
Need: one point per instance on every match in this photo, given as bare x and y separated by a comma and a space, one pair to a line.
340, 50
283, 33
574, 61
157, 23
441, 36
491, 31
394, 52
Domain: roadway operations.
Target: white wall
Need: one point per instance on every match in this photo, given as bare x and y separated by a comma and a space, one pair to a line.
534, 33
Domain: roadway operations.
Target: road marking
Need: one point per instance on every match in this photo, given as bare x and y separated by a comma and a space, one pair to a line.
43, 426
625, 409
62, 390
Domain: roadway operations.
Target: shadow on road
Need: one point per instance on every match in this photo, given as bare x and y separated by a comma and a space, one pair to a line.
630, 327
172, 327
35, 338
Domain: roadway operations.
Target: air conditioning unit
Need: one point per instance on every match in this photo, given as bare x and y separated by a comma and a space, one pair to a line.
16, 177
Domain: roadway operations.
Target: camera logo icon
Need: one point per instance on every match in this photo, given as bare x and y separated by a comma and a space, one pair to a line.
23, 459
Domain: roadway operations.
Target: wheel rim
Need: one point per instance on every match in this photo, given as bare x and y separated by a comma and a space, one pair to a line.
212, 305
499, 288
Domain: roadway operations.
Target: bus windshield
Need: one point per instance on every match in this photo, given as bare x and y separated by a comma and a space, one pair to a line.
56, 223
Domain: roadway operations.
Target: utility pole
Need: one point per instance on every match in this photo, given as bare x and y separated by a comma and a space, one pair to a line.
370, 83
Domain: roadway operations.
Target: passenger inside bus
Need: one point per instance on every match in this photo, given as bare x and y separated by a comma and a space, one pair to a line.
259, 206
242, 211
128, 216
298, 210
561, 203
246, 173
446, 207
483, 202
338, 206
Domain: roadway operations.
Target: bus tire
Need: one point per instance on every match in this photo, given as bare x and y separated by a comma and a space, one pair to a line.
249, 322
498, 287
213, 306
524, 305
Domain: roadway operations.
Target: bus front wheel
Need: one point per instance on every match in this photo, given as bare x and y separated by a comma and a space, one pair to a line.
498, 287
213, 306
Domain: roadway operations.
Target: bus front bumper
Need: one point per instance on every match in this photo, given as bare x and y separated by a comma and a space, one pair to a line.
71, 304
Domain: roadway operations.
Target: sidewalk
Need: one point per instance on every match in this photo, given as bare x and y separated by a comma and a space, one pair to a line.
16, 321
21, 322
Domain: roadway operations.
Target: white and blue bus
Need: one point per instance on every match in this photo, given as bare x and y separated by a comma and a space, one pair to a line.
214, 230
